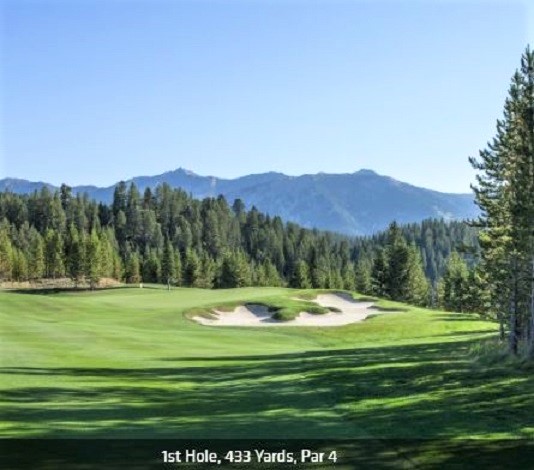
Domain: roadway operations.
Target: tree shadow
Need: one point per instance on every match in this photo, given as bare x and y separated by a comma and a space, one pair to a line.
61, 290
424, 390
459, 317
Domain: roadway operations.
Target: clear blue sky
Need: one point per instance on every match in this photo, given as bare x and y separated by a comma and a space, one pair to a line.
102, 90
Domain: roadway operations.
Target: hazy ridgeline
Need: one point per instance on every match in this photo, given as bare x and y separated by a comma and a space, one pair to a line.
167, 236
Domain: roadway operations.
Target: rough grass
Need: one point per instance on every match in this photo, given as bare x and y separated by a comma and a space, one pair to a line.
286, 309
128, 363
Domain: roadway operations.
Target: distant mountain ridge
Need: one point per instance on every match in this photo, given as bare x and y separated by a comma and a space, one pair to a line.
359, 203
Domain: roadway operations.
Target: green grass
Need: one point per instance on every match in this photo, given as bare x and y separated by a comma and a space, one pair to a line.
129, 363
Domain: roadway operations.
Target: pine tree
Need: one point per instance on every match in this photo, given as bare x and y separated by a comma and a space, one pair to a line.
455, 284
335, 280
132, 269
6, 252
418, 287
208, 270
54, 266
349, 277
152, 268
477, 296
319, 270
106, 254
20, 266
168, 267
301, 278
272, 278
178, 279
36, 261
260, 249
379, 274
234, 271
363, 279
117, 266
93, 260
398, 264
504, 189
75, 255
191, 269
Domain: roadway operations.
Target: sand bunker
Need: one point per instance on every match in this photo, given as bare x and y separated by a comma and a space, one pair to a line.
351, 311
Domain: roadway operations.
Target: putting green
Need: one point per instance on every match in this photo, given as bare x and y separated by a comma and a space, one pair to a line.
127, 363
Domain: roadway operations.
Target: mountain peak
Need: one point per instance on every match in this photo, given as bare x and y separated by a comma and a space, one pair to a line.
366, 172
359, 203
184, 171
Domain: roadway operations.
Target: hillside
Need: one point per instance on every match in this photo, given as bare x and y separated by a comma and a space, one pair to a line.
359, 203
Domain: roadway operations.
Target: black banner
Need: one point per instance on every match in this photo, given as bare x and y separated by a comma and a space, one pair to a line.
84, 454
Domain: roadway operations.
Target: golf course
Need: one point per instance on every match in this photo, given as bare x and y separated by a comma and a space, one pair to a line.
131, 363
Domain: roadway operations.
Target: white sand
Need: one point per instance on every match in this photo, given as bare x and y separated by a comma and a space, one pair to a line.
352, 311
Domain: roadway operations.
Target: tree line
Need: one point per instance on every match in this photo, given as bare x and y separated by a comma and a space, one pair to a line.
166, 236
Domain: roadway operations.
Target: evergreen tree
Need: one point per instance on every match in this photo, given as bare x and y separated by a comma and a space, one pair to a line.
455, 284
152, 268
132, 270
234, 271
168, 267
301, 278
106, 254
363, 278
319, 270
20, 266
349, 277
335, 280
379, 274
75, 255
36, 261
192, 274
477, 297
418, 287
93, 260
208, 271
6, 252
270, 274
504, 189
216, 244
117, 266
178, 279
398, 265
54, 266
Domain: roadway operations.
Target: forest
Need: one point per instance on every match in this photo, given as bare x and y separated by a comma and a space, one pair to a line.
166, 236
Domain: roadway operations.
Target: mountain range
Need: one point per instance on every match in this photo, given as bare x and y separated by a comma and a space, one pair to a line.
359, 203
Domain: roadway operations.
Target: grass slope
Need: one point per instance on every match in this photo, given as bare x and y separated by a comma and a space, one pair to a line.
128, 363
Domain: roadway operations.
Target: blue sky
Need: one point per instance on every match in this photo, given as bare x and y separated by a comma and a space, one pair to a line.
102, 90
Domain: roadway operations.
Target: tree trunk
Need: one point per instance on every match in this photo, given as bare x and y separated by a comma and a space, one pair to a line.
530, 328
513, 337
502, 334
515, 327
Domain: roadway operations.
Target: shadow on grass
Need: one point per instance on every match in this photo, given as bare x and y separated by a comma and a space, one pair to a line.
389, 309
61, 290
428, 390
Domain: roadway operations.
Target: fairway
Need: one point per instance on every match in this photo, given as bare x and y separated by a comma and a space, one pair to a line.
127, 362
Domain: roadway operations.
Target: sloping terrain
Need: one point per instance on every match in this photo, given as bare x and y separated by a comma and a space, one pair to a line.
359, 203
